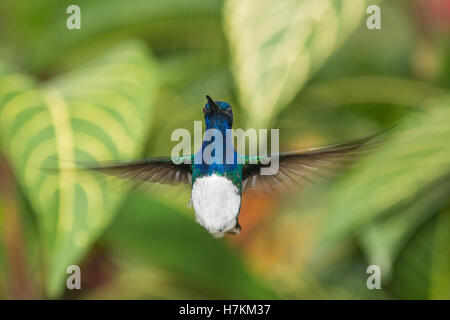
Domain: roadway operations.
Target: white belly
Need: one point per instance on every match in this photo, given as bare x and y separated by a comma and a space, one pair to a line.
216, 202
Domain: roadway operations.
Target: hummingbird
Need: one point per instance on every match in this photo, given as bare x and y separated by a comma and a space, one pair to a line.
217, 186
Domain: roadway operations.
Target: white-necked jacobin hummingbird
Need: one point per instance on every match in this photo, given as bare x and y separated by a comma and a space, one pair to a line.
217, 187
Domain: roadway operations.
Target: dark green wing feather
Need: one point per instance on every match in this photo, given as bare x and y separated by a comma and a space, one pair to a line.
159, 170
298, 167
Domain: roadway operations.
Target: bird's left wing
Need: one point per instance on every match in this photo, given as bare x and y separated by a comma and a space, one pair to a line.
300, 166
159, 170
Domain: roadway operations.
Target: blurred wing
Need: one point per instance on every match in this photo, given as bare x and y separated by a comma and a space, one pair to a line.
160, 170
297, 167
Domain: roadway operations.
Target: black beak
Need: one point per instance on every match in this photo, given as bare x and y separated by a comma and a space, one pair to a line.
212, 104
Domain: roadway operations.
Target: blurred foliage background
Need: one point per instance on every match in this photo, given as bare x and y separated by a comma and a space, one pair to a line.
137, 70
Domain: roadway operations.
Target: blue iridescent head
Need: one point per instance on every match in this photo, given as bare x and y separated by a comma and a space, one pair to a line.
217, 113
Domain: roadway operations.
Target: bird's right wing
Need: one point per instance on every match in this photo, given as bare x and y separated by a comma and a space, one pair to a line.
303, 165
159, 170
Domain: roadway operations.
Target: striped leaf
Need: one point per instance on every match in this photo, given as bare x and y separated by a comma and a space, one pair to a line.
277, 45
390, 194
99, 112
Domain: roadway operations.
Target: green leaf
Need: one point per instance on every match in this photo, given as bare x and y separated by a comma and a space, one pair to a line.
383, 240
374, 89
361, 104
422, 268
439, 275
277, 46
396, 177
161, 234
98, 112
103, 23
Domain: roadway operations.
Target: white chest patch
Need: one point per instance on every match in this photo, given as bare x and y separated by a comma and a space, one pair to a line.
216, 202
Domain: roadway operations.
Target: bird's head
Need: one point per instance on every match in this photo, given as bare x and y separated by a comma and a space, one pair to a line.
217, 113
